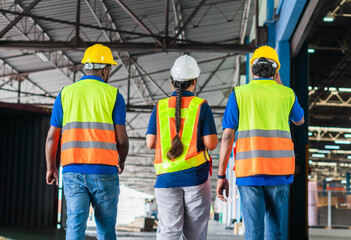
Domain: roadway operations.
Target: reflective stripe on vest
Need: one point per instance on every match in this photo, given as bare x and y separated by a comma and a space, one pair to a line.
264, 145
88, 134
188, 133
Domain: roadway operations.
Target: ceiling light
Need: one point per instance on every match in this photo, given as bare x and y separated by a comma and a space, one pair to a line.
349, 157
309, 87
317, 155
343, 181
328, 179
310, 50
313, 150
332, 89
344, 89
342, 142
310, 133
332, 147
347, 135
310, 161
323, 151
329, 17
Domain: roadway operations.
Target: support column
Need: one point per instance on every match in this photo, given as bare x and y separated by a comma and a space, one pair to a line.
298, 201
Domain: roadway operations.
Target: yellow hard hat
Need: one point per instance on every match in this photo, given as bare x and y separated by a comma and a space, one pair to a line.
98, 54
266, 52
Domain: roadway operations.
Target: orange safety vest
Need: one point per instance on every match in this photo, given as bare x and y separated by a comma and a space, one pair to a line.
264, 145
88, 134
190, 111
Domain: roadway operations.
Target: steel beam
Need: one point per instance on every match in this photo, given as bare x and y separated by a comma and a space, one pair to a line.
211, 75
132, 46
139, 22
18, 18
73, 23
304, 27
54, 58
139, 83
193, 14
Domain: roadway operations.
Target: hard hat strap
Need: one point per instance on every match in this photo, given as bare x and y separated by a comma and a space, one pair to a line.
94, 66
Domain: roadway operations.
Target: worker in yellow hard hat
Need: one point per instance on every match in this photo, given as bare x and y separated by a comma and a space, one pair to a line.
264, 152
90, 117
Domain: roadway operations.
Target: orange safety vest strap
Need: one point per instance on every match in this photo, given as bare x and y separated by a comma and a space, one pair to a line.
264, 166
89, 156
263, 143
77, 134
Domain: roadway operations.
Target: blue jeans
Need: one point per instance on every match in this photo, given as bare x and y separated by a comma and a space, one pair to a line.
264, 210
102, 192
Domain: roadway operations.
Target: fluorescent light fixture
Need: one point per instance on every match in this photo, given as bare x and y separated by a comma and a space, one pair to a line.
342, 142
310, 50
329, 17
309, 176
42, 57
324, 151
332, 89
332, 147
344, 89
309, 87
325, 89
317, 155
343, 181
313, 150
310, 161
310, 133
315, 88
328, 179
349, 157
347, 135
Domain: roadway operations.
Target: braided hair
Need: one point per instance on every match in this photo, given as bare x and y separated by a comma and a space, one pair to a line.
264, 68
177, 146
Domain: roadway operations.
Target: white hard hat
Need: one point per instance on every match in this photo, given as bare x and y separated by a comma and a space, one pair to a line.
185, 68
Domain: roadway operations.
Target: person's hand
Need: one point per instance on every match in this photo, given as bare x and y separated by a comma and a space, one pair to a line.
120, 167
222, 184
277, 78
52, 176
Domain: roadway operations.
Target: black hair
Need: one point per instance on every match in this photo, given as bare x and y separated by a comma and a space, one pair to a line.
263, 68
177, 145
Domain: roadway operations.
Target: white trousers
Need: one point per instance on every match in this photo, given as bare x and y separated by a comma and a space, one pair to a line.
183, 212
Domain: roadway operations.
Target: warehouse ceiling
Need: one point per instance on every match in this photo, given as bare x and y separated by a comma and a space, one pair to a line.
330, 90
42, 43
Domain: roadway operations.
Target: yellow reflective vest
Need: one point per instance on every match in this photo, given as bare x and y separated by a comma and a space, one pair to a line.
88, 134
264, 145
190, 158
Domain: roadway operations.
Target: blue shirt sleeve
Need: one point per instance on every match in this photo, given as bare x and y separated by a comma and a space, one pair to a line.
151, 128
57, 113
296, 112
207, 121
119, 111
231, 114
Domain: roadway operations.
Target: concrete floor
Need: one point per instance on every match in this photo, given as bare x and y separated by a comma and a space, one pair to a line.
216, 231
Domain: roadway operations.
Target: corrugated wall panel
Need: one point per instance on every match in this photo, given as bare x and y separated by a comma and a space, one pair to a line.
25, 198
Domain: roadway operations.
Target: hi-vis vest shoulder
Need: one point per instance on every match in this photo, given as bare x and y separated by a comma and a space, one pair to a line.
264, 144
88, 135
190, 112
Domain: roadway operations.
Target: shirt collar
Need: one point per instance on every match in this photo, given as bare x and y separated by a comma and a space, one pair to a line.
92, 77
184, 93
263, 81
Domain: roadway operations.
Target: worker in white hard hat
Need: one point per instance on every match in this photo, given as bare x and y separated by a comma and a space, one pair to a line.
182, 130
